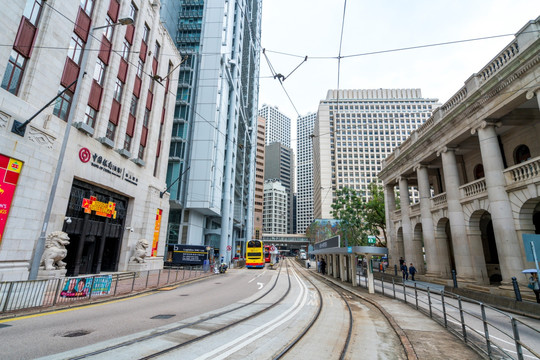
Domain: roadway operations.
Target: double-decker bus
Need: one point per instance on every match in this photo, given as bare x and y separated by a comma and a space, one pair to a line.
266, 253
254, 254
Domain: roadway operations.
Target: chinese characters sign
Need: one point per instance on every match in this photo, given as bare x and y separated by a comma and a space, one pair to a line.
100, 208
9, 174
156, 232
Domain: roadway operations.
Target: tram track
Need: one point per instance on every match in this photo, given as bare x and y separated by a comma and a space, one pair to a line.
311, 324
161, 333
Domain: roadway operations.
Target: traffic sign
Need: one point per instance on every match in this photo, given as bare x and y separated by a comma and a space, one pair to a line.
229, 247
272, 248
371, 239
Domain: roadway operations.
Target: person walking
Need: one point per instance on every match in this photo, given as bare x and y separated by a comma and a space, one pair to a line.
405, 272
323, 267
412, 271
533, 284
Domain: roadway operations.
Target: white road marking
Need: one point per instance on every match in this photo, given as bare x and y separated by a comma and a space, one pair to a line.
262, 330
261, 274
260, 285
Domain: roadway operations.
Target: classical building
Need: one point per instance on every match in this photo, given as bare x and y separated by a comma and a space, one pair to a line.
107, 194
304, 172
275, 208
354, 131
259, 181
211, 168
279, 164
278, 125
476, 164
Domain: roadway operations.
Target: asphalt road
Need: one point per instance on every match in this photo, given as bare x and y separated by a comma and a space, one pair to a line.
50, 333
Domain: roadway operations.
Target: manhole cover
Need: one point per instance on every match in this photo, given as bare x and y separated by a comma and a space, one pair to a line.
163, 316
76, 333
184, 294
217, 283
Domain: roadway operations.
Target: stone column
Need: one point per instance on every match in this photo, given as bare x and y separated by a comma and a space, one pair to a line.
428, 230
391, 239
411, 251
354, 280
335, 265
460, 241
510, 260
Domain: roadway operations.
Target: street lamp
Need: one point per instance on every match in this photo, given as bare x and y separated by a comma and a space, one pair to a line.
19, 129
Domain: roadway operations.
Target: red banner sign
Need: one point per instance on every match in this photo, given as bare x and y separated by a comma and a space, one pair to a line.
157, 226
100, 208
9, 174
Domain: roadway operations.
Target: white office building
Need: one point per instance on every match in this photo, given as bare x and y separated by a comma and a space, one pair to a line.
354, 131
278, 126
304, 172
275, 208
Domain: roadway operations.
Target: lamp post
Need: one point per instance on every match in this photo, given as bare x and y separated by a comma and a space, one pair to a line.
40, 246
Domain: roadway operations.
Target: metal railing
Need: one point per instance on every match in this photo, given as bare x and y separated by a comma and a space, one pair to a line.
492, 332
20, 295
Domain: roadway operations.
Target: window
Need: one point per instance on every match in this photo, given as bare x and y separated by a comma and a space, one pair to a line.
141, 152
108, 31
32, 11
146, 118
157, 49
133, 12
76, 47
140, 66
14, 71
133, 106
126, 47
90, 116
146, 33
111, 131
99, 72
87, 6
63, 104
127, 142
521, 154
118, 90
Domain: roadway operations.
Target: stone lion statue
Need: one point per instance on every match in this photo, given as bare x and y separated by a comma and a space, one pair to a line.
140, 251
55, 251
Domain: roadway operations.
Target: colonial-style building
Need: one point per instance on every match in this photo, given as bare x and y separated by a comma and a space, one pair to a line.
109, 193
476, 163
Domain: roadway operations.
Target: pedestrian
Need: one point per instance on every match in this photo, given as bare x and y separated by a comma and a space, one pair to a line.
318, 266
533, 284
412, 271
323, 267
401, 262
308, 264
405, 272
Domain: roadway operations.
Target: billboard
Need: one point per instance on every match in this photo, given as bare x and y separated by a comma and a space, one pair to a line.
188, 254
79, 287
9, 175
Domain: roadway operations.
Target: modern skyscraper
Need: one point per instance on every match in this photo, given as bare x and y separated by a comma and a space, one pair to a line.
212, 155
354, 131
278, 126
304, 172
259, 181
279, 164
275, 207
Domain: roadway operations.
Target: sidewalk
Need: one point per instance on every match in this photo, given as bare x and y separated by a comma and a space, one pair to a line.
422, 337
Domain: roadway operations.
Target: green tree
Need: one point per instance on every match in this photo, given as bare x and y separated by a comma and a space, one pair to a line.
373, 213
348, 207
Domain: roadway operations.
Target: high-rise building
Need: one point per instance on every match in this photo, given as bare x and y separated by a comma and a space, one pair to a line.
278, 126
107, 195
211, 160
304, 172
354, 131
279, 164
259, 181
275, 207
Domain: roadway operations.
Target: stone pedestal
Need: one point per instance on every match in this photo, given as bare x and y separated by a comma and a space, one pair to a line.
51, 274
135, 266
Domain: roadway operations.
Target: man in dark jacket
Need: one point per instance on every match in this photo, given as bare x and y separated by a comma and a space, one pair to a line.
405, 272
412, 271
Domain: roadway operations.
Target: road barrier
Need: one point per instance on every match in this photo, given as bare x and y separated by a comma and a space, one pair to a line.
459, 315
27, 294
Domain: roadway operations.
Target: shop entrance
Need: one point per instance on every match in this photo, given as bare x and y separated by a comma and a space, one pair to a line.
95, 234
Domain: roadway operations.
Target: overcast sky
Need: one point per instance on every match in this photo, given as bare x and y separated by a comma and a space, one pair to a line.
313, 27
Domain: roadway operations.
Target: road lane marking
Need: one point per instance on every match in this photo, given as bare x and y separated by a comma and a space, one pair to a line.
261, 274
72, 309
260, 285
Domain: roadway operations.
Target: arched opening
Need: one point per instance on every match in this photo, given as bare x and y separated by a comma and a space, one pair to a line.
536, 221
491, 256
478, 171
400, 247
420, 252
521, 154
445, 248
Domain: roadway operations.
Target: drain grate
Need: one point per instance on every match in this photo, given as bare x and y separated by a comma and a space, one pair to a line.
76, 333
4, 325
217, 283
184, 294
163, 316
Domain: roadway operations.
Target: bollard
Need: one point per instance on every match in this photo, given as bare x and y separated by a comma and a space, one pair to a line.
395, 270
394, 287
454, 278
416, 295
516, 289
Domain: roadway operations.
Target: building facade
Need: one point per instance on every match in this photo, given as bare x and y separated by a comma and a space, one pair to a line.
211, 160
279, 164
354, 131
259, 181
278, 125
107, 194
304, 172
275, 208
479, 156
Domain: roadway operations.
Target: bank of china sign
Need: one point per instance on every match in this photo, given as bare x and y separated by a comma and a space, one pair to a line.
102, 163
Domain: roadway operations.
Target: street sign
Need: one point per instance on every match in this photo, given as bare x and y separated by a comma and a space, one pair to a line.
349, 249
371, 239
229, 247
272, 248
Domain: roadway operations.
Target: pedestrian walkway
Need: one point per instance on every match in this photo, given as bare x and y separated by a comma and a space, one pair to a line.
422, 337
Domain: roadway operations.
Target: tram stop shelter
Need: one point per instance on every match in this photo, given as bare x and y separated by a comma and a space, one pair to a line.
341, 261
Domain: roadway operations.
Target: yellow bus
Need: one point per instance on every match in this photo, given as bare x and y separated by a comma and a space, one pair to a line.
255, 254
